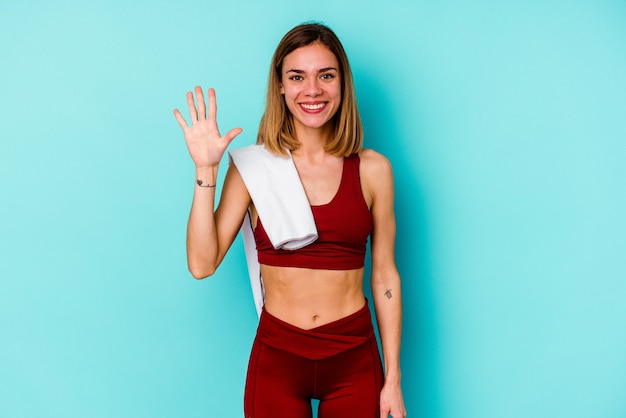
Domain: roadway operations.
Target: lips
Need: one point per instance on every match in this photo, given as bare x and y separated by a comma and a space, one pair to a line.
315, 107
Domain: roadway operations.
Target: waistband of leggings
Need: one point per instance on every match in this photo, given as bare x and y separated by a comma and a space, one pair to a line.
320, 342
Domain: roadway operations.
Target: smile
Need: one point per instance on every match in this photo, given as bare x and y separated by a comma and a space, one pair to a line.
316, 106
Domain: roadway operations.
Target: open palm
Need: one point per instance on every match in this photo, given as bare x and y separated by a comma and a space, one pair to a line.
204, 142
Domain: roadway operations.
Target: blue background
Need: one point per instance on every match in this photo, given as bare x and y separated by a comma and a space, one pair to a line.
505, 123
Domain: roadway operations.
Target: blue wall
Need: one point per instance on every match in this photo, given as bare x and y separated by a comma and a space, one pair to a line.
505, 125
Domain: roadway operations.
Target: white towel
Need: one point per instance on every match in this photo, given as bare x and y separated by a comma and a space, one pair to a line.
280, 201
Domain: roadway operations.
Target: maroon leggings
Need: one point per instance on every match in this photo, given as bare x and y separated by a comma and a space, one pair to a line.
337, 363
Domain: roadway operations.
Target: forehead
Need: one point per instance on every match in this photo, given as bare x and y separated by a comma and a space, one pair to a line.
310, 58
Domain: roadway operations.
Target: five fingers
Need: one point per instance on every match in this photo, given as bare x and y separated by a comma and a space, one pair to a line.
199, 113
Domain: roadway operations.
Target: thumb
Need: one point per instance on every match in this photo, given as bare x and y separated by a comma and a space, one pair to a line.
231, 135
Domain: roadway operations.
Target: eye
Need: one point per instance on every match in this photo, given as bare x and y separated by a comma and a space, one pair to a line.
327, 76
296, 78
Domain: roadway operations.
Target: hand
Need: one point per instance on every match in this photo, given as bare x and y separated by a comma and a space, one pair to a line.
204, 142
391, 402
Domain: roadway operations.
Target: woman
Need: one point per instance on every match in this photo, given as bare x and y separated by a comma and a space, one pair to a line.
315, 337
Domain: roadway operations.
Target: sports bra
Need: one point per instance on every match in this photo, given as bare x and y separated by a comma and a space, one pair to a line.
343, 225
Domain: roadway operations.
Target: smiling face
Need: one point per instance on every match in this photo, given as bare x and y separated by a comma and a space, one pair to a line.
311, 86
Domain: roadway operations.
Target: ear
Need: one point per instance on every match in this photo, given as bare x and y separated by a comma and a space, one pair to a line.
282, 89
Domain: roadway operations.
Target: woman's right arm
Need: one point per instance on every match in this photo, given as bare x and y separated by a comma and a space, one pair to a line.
210, 233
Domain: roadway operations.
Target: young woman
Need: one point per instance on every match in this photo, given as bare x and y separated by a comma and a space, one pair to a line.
315, 338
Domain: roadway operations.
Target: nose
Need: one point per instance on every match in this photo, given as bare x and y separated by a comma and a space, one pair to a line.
312, 87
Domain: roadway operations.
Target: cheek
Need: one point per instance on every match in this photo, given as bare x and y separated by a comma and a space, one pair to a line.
288, 99
286, 90
338, 97
337, 91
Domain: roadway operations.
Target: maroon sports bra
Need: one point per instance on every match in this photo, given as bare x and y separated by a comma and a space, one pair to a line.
343, 225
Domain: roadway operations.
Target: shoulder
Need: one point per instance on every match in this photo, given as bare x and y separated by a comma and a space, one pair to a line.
376, 177
374, 164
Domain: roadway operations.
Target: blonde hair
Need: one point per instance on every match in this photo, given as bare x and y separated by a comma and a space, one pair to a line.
276, 130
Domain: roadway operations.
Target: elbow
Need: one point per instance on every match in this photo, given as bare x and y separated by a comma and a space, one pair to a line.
201, 272
201, 265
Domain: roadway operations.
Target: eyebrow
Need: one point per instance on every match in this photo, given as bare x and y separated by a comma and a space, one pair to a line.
323, 70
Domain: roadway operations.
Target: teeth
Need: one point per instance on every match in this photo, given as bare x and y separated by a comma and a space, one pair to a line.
313, 107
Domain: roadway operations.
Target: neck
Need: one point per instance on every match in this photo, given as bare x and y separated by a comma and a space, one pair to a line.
312, 140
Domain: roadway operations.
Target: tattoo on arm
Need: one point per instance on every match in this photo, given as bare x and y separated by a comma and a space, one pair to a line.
388, 294
201, 184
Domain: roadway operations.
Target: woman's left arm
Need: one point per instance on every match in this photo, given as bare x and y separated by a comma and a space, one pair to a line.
377, 178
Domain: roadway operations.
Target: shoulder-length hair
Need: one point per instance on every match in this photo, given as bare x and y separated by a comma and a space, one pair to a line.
276, 130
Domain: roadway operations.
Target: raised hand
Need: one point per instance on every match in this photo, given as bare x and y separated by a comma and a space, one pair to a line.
204, 142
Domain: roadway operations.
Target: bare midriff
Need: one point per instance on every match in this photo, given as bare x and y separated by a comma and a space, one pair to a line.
309, 298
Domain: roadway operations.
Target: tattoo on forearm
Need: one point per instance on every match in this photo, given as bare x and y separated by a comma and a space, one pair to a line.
388, 293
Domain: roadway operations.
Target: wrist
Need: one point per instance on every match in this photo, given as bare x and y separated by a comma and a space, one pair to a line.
393, 378
208, 167
206, 176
